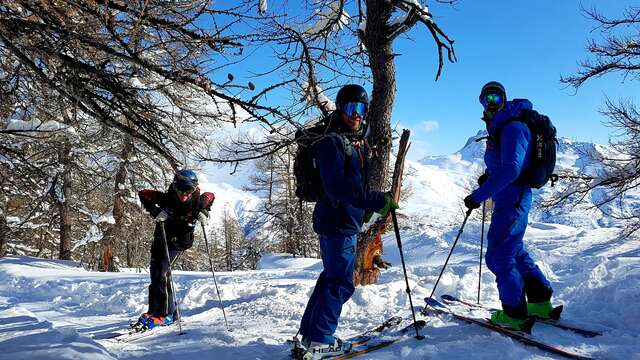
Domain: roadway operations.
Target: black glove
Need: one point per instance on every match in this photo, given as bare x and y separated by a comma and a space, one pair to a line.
483, 178
470, 203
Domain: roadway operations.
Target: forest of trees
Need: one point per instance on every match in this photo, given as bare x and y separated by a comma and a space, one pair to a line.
100, 99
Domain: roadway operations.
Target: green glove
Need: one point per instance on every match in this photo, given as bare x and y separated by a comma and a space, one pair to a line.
367, 216
390, 204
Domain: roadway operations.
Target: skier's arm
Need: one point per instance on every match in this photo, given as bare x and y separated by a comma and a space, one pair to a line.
335, 183
514, 142
150, 199
206, 199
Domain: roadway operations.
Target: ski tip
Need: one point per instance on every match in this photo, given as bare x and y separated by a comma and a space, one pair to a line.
433, 302
448, 297
555, 313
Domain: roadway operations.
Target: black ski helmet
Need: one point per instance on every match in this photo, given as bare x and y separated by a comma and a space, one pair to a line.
493, 87
351, 93
185, 180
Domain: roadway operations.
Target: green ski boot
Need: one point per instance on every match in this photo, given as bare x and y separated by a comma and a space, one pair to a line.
502, 319
544, 310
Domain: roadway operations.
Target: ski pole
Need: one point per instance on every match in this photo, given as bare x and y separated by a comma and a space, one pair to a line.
206, 244
169, 274
424, 311
481, 246
404, 268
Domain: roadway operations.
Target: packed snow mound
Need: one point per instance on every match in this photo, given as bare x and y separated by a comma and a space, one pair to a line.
24, 336
287, 261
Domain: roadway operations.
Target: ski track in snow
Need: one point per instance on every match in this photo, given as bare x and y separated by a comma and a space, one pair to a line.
53, 309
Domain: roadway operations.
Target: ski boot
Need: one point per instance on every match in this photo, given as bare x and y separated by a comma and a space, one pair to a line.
500, 318
159, 320
544, 310
298, 347
141, 324
318, 350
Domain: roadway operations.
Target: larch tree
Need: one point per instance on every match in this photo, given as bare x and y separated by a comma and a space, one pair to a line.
617, 51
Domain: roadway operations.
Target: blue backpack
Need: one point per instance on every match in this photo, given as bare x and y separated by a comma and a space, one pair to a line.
543, 150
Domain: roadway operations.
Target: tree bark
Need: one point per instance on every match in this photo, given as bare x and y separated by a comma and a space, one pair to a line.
369, 255
380, 50
4, 232
113, 231
64, 207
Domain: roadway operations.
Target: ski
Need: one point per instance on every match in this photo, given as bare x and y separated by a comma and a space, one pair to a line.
363, 338
380, 342
437, 307
133, 334
448, 299
371, 340
355, 340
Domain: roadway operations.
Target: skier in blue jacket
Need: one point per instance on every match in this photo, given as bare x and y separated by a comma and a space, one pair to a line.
338, 218
508, 153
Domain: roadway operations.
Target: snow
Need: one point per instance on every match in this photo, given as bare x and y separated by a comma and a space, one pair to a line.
37, 125
262, 6
51, 309
330, 14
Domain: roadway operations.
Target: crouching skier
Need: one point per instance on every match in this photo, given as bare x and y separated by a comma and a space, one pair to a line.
179, 208
508, 155
338, 218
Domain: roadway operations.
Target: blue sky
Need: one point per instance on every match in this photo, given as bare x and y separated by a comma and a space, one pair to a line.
526, 47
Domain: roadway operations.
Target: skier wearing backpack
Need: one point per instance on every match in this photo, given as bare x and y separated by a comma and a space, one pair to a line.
179, 208
507, 180
338, 218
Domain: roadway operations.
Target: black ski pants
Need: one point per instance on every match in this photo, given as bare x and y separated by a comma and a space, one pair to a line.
160, 291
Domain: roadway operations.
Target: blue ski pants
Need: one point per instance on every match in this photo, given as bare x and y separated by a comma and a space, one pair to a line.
506, 256
333, 288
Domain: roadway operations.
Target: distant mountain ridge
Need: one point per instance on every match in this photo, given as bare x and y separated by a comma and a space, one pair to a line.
436, 186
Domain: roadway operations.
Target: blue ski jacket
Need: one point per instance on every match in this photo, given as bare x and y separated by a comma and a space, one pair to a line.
508, 157
346, 186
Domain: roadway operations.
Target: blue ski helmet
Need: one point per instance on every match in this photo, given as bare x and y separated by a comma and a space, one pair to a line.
185, 180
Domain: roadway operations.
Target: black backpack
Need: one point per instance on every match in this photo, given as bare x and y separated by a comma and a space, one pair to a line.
305, 164
543, 150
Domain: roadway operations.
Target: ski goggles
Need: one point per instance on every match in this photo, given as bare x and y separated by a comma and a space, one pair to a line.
354, 107
185, 188
487, 99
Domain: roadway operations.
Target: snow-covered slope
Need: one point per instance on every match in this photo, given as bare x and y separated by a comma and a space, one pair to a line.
57, 310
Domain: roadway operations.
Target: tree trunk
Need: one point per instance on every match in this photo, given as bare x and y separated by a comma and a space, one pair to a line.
370, 257
64, 207
380, 51
113, 231
4, 235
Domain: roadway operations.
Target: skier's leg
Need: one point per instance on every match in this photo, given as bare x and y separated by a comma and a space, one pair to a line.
311, 304
157, 269
339, 260
504, 242
170, 307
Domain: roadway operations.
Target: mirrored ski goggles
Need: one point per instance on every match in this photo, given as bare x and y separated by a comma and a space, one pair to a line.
354, 107
491, 99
